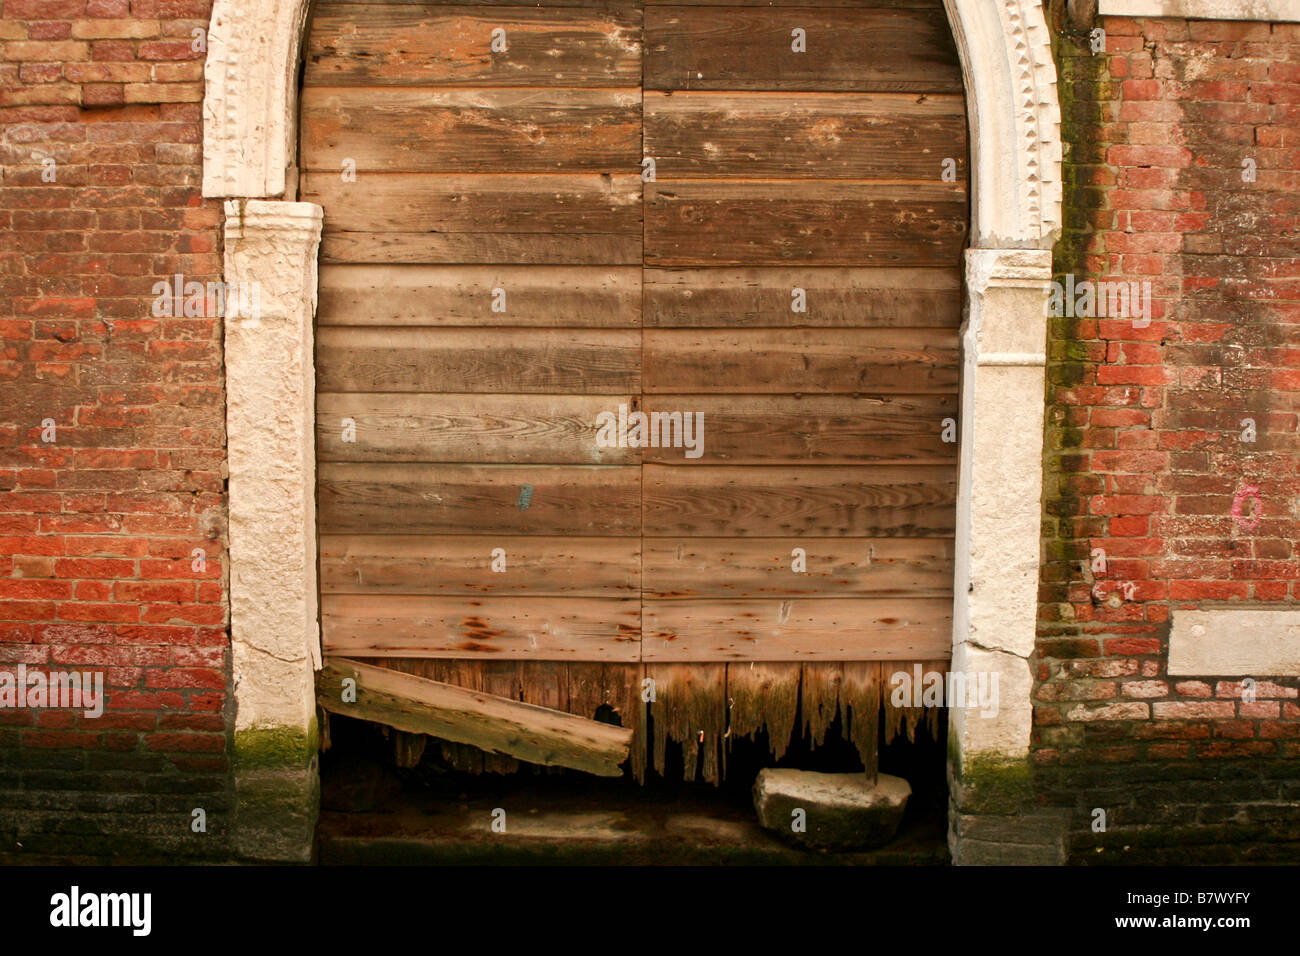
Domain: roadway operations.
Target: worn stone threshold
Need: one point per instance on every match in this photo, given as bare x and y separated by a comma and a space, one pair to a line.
542, 828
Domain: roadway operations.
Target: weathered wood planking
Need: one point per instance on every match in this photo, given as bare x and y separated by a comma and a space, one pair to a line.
763, 567
599, 501
451, 204
764, 4
603, 361
535, 566
858, 50
492, 723
835, 297
829, 629
830, 501
471, 131
762, 360
812, 429
504, 429
416, 45
569, 296
616, 4
794, 186
809, 136
474, 248
536, 628
830, 223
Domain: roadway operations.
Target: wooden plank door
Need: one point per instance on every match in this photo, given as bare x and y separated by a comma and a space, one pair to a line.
802, 291
480, 305
496, 273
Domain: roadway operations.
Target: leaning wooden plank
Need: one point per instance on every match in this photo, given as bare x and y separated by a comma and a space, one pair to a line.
536, 204
828, 629
494, 724
862, 50
385, 44
888, 136
547, 296
546, 361
539, 629
496, 429
780, 223
475, 131
828, 296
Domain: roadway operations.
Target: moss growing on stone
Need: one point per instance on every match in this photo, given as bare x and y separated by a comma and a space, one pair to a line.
276, 748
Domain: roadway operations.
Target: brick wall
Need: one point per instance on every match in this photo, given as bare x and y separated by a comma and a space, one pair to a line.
1145, 456
1144, 459
98, 528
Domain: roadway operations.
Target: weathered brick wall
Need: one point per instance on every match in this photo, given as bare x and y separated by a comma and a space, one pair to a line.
1145, 456
98, 527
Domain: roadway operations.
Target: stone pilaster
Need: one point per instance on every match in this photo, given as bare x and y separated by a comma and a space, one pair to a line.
270, 269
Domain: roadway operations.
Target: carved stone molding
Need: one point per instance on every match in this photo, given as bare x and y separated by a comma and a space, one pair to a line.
250, 110
999, 491
250, 104
1015, 121
270, 261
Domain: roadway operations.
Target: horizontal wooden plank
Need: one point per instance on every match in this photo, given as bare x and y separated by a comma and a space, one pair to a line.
582, 500
543, 629
570, 296
929, 298
418, 45
750, 48
503, 429
861, 4
495, 724
541, 204
515, 248
812, 429
764, 567
800, 360
831, 629
470, 131
915, 501
834, 223
618, 4
804, 135
352, 359
534, 566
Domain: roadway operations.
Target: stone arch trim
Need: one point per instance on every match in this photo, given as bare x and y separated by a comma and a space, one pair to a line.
250, 111
1015, 121
250, 104
249, 159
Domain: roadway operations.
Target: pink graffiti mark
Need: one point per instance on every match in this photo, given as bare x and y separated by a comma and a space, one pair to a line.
1247, 493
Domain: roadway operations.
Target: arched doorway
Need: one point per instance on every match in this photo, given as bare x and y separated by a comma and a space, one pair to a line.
1010, 82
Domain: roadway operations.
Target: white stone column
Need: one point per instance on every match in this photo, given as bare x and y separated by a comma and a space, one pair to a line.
270, 271
999, 511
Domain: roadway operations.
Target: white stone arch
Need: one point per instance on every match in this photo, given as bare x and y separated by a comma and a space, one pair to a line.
250, 115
